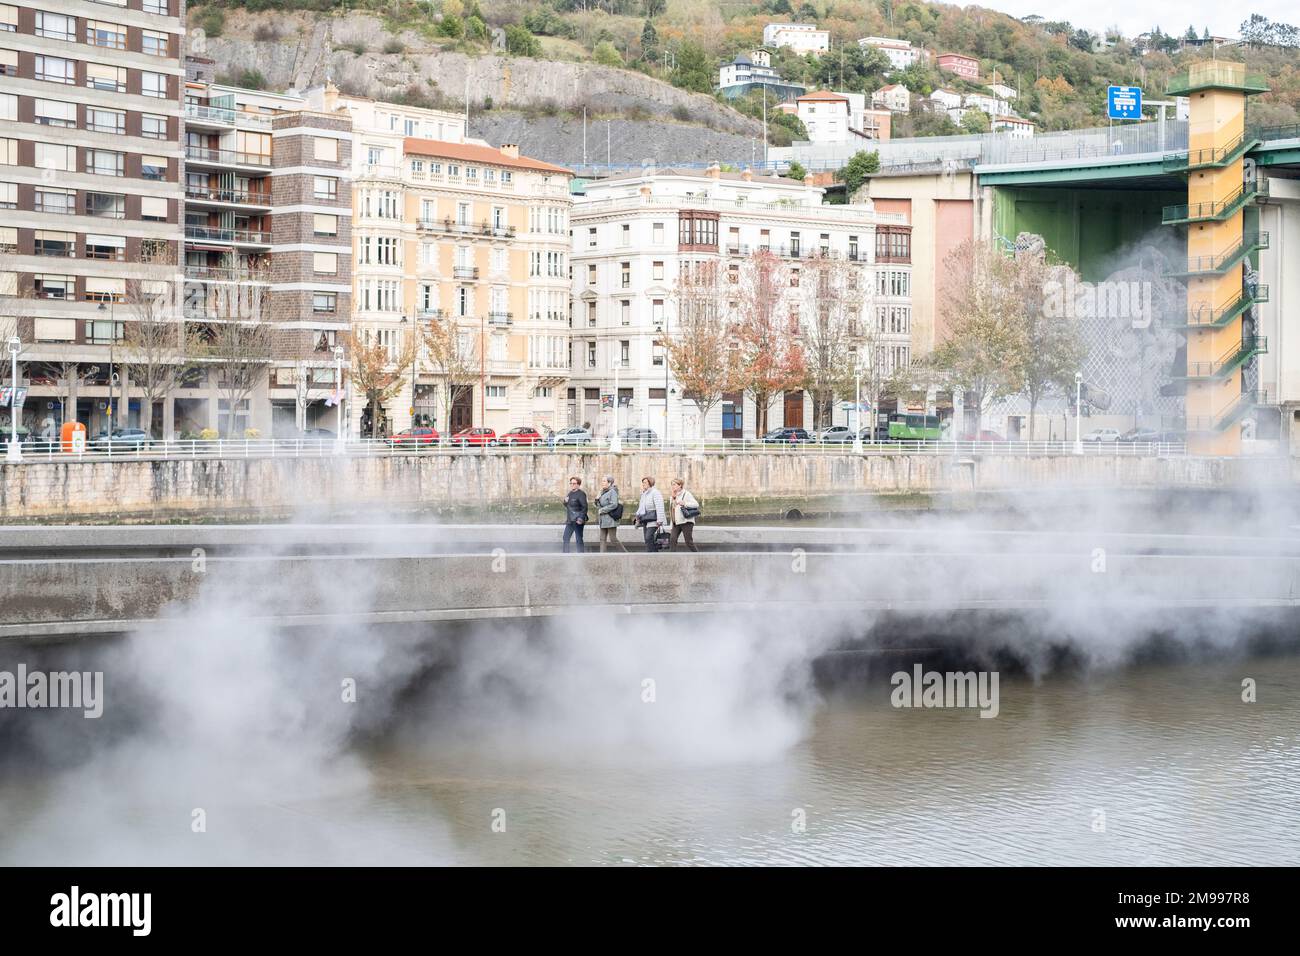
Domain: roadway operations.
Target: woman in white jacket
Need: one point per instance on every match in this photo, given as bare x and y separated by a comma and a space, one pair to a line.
650, 513
682, 525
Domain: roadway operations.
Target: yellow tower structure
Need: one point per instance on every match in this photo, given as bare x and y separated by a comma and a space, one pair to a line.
1219, 192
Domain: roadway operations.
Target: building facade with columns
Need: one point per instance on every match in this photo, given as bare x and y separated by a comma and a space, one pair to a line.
632, 237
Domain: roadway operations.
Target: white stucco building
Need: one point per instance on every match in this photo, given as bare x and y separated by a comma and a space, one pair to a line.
894, 97
800, 37
633, 234
901, 53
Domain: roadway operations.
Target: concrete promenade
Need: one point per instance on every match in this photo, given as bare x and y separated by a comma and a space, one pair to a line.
472, 485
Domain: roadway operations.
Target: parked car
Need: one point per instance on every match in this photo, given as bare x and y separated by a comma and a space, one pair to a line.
640, 437
522, 435
1142, 435
474, 437
1102, 434
320, 434
836, 433
787, 436
573, 435
414, 437
124, 439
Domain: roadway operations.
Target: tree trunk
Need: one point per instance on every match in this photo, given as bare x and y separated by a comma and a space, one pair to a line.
1033, 407
146, 414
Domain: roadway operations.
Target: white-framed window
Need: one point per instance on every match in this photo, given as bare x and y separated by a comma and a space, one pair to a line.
158, 7
106, 121
9, 106
625, 235
657, 233
55, 26
100, 76
153, 208
55, 200
324, 224
153, 126
326, 187
56, 69
657, 271
8, 18
153, 42
9, 197
325, 149
153, 84
324, 301
325, 263
153, 167
111, 205
50, 156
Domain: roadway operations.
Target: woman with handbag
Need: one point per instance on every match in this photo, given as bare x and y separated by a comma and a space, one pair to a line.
650, 514
611, 511
685, 509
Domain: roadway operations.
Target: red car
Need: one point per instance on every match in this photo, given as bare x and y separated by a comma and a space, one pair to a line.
412, 437
523, 435
468, 437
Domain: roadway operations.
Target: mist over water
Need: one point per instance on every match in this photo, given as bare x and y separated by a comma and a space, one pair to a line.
605, 738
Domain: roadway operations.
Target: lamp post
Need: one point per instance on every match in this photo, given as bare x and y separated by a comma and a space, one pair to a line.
615, 442
338, 398
1078, 411
112, 344
857, 412
15, 451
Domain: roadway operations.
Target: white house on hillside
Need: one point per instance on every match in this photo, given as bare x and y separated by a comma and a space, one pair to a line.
800, 37
894, 97
1001, 91
901, 53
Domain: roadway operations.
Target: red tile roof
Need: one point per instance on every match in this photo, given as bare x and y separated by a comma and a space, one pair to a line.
825, 95
468, 153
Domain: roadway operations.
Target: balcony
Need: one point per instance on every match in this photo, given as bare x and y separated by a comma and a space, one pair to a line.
226, 157
1215, 75
452, 227
430, 315
1251, 241
250, 237
225, 274
501, 318
243, 197
215, 116
1205, 316
1214, 211
465, 272
1230, 360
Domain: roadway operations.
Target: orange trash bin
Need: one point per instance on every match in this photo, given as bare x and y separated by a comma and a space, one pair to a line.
73, 437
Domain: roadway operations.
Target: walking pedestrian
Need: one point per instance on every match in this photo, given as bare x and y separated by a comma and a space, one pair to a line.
609, 511
575, 513
685, 509
650, 514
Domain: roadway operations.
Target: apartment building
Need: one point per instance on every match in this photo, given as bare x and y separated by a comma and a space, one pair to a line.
967, 67
894, 97
90, 180
901, 53
488, 255
268, 216
632, 237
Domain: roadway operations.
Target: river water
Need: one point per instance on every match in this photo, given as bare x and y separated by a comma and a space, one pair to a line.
1158, 763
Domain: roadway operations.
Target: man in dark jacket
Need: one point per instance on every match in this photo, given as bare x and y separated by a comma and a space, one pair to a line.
575, 513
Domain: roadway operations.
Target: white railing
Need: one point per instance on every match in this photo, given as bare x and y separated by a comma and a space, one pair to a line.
100, 450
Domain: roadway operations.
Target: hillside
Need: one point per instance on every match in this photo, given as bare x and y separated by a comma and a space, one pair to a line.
643, 59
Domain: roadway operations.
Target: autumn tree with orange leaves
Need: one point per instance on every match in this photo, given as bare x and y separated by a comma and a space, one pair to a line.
377, 373
768, 357
699, 353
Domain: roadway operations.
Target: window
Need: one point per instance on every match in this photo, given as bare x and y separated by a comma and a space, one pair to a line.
657, 233
8, 106
8, 62
153, 208
507, 177
153, 42
55, 287
109, 35
496, 391
625, 311
591, 354
324, 301
109, 78
60, 244
326, 187
471, 174
794, 247
325, 263
695, 231
591, 275
625, 235
657, 271
591, 315
105, 121
625, 272
105, 247
55, 26
49, 156
55, 69
8, 18
8, 195
624, 352
58, 201
106, 205
103, 162
158, 7
8, 244
657, 313
591, 237
153, 167
153, 126
325, 225
153, 84
325, 149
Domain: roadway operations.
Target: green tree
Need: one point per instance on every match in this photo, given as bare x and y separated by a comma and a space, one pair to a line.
975, 121
857, 169
452, 26
654, 7
476, 29
649, 43
606, 54
797, 171
693, 71
522, 43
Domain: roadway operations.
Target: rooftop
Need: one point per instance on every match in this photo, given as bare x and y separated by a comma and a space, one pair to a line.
468, 153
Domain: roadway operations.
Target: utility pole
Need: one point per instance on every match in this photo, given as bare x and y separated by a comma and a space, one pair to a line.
584, 136
765, 126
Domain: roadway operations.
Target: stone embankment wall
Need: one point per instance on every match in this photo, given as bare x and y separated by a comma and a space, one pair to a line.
472, 484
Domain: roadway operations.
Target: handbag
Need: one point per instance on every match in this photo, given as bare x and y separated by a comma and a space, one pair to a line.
616, 512
689, 512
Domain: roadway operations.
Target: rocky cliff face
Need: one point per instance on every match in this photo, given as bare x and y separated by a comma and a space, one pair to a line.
308, 49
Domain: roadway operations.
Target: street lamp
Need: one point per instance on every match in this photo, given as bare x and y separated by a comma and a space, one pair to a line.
615, 442
1078, 410
338, 397
857, 412
112, 344
15, 451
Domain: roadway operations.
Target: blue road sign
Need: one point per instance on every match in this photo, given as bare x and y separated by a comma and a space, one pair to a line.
1124, 102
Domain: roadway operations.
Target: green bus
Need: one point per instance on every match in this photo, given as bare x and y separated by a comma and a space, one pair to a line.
913, 427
